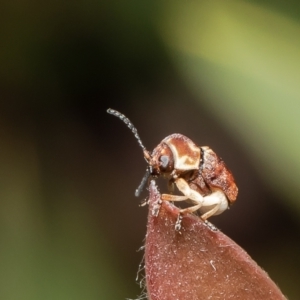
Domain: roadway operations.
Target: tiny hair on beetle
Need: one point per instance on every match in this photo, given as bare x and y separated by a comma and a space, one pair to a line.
198, 172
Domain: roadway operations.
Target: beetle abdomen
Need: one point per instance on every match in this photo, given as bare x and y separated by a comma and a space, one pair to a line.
216, 174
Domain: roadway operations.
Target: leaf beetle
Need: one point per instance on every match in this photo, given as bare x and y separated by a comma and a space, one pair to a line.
198, 173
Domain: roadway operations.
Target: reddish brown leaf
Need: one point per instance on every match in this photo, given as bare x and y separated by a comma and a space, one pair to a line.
197, 262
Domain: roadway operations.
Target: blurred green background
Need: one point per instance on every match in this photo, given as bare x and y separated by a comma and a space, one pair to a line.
224, 73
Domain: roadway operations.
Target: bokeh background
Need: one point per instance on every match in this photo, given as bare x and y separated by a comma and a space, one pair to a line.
224, 73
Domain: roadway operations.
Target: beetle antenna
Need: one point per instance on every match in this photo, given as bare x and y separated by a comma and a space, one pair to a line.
129, 125
142, 184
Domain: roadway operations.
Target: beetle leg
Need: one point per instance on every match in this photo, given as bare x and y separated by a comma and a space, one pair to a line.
190, 209
211, 212
185, 189
168, 197
189, 193
214, 204
217, 198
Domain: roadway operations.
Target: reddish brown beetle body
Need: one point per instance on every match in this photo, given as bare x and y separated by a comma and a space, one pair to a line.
198, 173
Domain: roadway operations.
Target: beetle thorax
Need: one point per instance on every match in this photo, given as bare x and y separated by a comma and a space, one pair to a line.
185, 153
175, 154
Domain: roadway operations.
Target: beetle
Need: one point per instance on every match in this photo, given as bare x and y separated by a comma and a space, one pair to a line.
198, 173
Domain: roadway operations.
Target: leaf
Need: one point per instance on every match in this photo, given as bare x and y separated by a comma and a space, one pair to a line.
199, 261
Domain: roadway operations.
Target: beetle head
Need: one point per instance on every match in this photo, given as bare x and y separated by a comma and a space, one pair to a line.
161, 161
175, 153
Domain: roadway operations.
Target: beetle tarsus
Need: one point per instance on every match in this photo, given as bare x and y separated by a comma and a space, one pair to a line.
156, 208
178, 222
210, 226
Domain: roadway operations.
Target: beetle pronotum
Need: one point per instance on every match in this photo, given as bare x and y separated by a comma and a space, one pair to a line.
199, 174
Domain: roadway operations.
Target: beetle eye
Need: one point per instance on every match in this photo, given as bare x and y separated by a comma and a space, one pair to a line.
164, 159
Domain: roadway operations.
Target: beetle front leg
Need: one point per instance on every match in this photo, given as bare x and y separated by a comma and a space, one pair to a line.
168, 197
183, 187
214, 204
191, 194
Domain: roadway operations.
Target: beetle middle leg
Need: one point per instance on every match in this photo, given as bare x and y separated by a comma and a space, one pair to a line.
214, 204
210, 205
211, 212
189, 193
